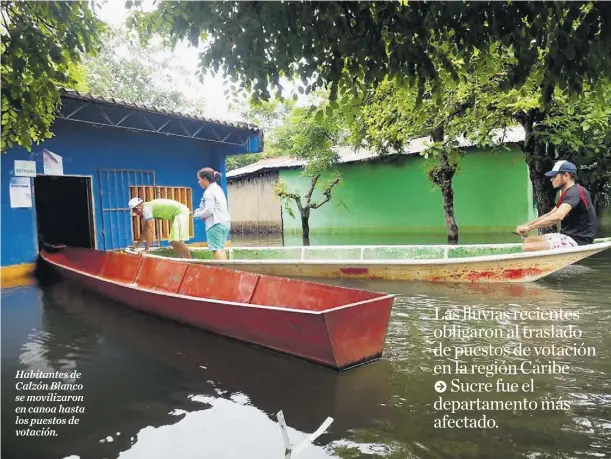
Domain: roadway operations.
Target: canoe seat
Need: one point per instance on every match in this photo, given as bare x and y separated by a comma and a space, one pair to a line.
218, 283
310, 296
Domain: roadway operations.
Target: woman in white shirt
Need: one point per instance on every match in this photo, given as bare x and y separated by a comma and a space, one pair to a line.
213, 210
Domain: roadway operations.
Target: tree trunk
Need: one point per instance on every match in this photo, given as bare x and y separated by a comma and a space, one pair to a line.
448, 206
543, 192
597, 188
305, 227
598, 201
442, 176
539, 161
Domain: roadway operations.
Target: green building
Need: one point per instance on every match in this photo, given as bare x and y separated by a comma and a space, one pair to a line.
390, 195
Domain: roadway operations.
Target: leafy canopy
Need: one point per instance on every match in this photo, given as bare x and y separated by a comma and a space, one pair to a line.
351, 46
42, 45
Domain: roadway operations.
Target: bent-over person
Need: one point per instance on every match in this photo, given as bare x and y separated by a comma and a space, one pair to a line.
163, 209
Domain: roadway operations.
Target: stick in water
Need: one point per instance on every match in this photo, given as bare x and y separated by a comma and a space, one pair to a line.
291, 449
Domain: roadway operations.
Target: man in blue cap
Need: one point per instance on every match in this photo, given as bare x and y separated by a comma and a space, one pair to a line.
574, 211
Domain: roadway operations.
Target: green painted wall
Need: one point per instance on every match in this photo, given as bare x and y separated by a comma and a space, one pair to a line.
492, 193
605, 221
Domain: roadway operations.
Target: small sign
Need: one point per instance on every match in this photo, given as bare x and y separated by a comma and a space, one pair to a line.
20, 192
25, 168
52, 162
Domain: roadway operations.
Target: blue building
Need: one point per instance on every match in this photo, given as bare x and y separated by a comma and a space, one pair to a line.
74, 188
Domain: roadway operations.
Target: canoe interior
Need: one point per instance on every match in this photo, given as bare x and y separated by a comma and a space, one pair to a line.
210, 282
374, 252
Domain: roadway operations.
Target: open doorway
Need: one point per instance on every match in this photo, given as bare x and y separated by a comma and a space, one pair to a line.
64, 210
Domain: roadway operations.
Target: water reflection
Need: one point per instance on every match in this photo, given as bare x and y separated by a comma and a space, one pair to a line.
584, 429
272, 381
150, 369
469, 293
226, 428
155, 389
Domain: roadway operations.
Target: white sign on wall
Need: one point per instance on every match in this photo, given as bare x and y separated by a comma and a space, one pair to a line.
52, 163
20, 192
25, 168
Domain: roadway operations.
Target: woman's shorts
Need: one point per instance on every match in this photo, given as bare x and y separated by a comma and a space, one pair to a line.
216, 236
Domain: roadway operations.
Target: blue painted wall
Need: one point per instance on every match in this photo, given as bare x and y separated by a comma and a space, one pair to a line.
85, 149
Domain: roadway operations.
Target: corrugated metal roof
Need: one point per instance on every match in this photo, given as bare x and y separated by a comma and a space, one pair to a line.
350, 155
151, 109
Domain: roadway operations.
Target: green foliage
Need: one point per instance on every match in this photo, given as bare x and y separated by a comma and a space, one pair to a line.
143, 75
296, 132
351, 46
269, 116
392, 114
309, 139
306, 137
573, 127
42, 45
287, 197
473, 104
78, 73
238, 161
579, 130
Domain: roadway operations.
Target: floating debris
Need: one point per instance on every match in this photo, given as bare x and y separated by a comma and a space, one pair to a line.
289, 448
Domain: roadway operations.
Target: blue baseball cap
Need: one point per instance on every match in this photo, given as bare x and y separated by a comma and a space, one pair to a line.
562, 166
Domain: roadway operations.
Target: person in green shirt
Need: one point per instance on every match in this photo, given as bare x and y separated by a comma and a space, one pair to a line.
163, 209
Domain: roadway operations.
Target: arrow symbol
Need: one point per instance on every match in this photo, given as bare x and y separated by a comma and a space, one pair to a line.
440, 386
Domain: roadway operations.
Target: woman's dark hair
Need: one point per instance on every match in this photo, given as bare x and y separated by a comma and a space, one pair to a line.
209, 174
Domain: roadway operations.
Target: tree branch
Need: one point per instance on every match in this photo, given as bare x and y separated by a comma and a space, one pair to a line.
298, 201
308, 196
54, 30
327, 194
8, 31
460, 110
287, 195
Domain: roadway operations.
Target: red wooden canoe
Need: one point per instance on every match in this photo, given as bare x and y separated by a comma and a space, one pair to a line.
330, 325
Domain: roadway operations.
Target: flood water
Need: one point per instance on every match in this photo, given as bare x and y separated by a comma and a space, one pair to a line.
155, 389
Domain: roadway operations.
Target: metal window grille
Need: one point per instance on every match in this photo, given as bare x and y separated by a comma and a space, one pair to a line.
114, 187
